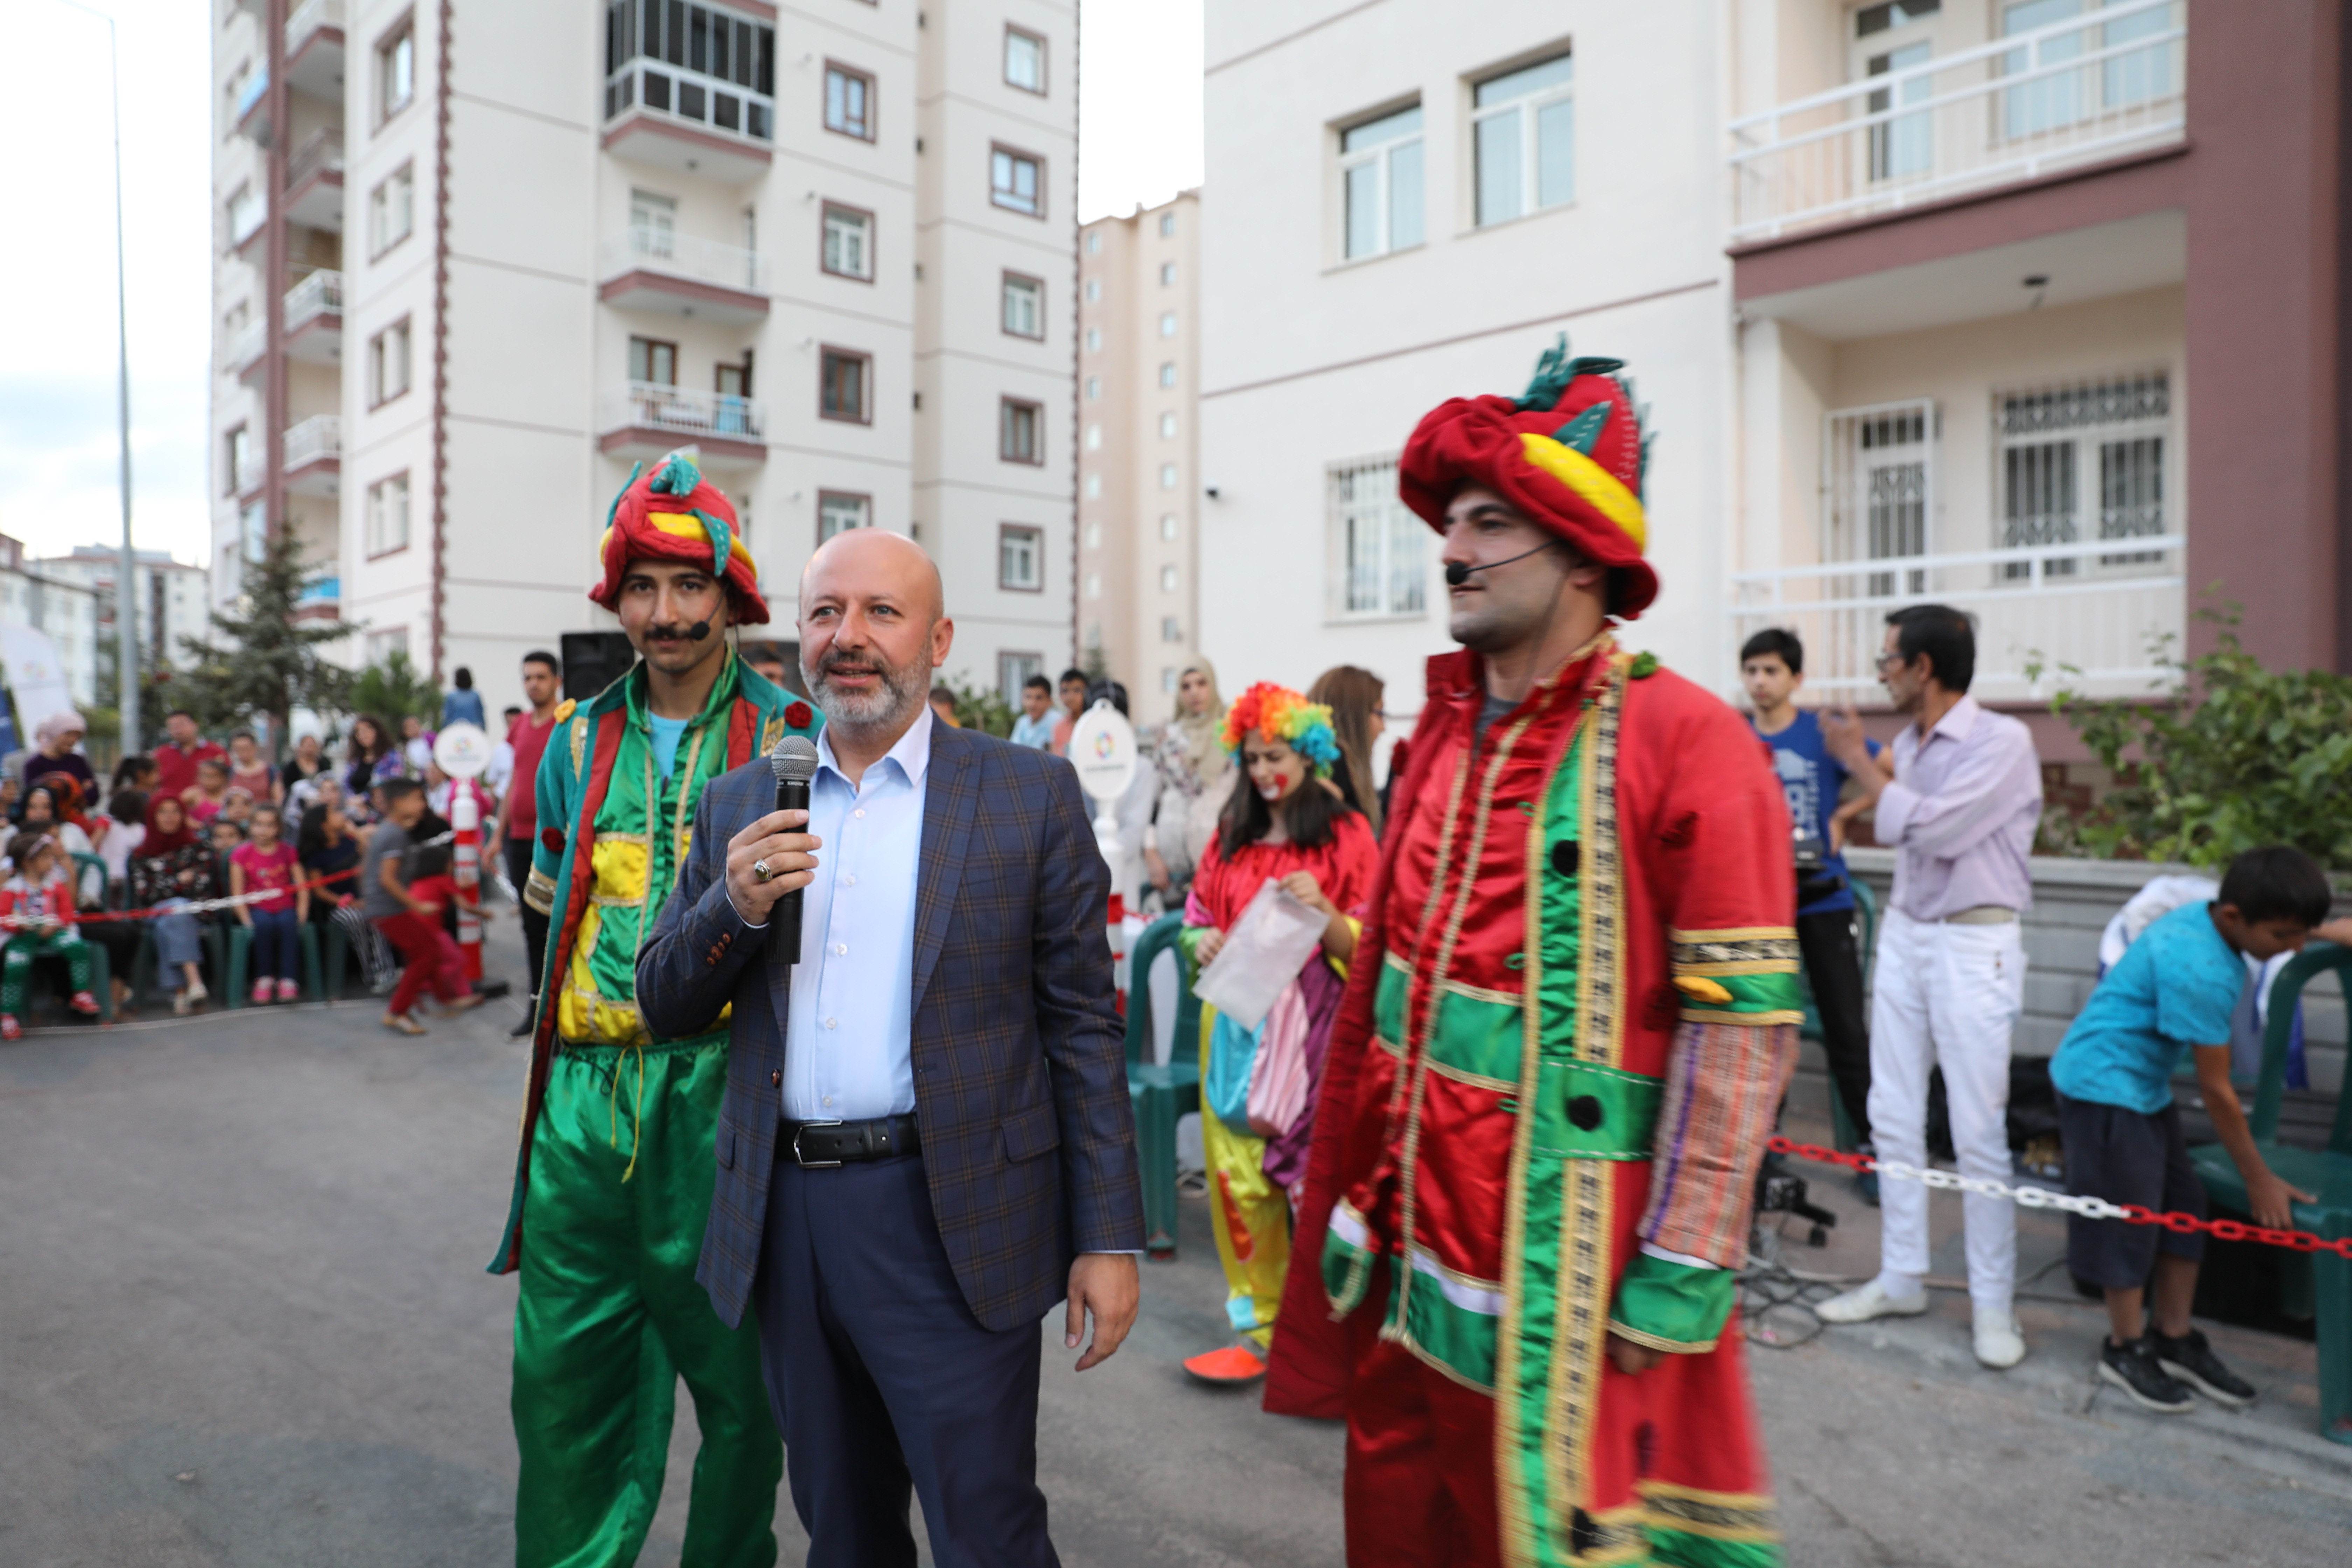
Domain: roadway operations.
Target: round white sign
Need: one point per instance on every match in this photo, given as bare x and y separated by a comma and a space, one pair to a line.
463, 751
1102, 748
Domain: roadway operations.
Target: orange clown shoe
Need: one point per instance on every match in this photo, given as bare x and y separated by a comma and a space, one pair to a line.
1226, 1367
1568, 452
675, 514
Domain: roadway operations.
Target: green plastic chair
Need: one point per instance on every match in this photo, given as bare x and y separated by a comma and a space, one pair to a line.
145, 961
240, 963
2320, 1280
1865, 911
1160, 1094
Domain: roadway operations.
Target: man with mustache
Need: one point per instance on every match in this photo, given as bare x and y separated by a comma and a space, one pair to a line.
927, 1141
613, 1181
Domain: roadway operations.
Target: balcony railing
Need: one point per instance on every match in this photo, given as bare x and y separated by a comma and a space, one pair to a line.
320, 590
255, 86
2090, 614
639, 247
307, 18
322, 293
321, 436
674, 410
2103, 84
325, 150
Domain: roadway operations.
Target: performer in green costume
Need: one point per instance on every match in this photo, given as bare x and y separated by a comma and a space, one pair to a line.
613, 1179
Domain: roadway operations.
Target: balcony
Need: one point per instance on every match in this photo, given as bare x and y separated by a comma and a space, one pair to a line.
322, 599
2092, 88
247, 349
314, 49
314, 455
251, 114
314, 182
662, 273
688, 123
644, 419
2089, 614
314, 319
248, 217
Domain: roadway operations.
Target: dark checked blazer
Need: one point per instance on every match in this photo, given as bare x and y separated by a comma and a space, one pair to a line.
1028, 1140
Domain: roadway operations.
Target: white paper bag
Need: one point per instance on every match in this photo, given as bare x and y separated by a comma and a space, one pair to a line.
1262, 955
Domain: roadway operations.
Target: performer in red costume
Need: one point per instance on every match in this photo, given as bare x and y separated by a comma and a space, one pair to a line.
1569, 1021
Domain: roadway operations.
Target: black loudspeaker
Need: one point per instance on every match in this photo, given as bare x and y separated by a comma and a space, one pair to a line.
593, 660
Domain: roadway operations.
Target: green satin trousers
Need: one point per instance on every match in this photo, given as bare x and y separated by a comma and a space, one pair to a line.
609, 1318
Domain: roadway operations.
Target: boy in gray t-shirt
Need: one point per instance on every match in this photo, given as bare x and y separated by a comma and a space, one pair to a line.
413, 925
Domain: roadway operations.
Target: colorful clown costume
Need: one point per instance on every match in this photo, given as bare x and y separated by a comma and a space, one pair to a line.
1571, 1015
1251, 1175
613, 1179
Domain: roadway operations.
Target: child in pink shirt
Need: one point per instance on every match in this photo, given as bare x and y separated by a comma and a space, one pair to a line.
266, 863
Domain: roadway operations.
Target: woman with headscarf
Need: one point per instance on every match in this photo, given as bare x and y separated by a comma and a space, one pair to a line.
1354, 697
54, 742
1196, 775
172, 868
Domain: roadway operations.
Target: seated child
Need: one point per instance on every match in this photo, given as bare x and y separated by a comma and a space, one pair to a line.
407, 909
41, 893
267, 864
2175, 988
206, 796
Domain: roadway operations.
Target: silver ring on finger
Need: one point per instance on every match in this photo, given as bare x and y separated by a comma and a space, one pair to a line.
762, 871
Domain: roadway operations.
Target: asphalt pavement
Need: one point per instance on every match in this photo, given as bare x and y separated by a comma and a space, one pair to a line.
245, 1320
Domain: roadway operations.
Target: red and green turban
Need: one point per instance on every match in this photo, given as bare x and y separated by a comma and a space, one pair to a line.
1568, 452
673, 514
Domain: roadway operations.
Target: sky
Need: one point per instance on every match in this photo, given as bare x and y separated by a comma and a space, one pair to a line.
1139, 127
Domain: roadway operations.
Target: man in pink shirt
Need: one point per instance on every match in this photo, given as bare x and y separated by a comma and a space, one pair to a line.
1960, 813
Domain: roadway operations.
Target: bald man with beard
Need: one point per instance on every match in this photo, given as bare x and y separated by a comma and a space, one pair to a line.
926, 1141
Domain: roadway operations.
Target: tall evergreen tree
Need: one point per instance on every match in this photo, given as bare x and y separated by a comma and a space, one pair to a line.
260, 659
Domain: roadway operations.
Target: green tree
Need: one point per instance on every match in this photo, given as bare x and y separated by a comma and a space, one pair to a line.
978, 707
2240, 755
260, 659
396, 689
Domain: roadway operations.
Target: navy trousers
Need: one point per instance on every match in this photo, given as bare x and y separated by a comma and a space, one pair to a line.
885, 1385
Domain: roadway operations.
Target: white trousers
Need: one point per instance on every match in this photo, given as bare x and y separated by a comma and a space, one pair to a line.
1945, 996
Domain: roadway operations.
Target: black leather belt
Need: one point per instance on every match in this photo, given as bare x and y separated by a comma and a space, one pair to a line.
821, 1145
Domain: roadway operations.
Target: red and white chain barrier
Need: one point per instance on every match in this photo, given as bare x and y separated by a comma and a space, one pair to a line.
194, 906
2089, 1208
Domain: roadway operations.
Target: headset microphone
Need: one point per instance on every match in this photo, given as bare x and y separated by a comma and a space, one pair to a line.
1457, 574
700, 630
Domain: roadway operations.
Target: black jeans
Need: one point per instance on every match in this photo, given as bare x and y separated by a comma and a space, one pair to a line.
534, 924
1835, 969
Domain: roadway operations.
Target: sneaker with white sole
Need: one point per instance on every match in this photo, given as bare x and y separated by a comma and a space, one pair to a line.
2133, 1368
2192, 1361
1999, 1344
1868, 1301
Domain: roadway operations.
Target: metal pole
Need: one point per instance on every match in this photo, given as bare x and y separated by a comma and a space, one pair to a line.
126, 587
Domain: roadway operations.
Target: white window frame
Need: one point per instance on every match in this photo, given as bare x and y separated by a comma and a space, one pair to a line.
391, 350
387, 515
1378, 562
1014, 38
845, 228
1005, 166
1529, 108
395, 70
392, 210
1023, 306
839, 511
1020, 558
1014, 670
1380, 156
2106, 410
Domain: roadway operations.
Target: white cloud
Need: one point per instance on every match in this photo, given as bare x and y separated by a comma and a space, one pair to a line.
1139, 137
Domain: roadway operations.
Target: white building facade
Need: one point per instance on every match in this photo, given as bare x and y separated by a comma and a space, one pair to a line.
173, 598
571, 238
68, 613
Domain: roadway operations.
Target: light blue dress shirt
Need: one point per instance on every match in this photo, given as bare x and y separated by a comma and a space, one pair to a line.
848, 1033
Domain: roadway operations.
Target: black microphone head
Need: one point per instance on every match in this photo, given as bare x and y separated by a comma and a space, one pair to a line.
1456, 573
793, 760
700, 630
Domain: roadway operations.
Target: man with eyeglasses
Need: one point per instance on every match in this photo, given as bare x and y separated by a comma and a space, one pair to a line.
1960, 813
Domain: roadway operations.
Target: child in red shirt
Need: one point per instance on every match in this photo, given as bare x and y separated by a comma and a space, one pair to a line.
41, 894
266, 863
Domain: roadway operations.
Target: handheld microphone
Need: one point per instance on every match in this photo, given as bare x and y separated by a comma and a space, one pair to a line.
700, 630
1457, 574
794, 763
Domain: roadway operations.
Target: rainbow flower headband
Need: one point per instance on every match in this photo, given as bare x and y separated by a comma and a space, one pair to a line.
1281, 714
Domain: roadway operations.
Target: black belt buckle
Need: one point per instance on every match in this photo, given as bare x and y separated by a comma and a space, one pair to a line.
808, 1164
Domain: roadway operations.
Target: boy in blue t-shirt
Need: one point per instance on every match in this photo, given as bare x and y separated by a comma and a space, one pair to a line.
2174, 988
1772, 668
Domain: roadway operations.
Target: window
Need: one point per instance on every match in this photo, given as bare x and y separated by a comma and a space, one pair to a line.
387, 515
1378, 548
1168, 426
844, 377
1094, 289
1094, 437
1020, 428
388, 363
1094, 584
395, 71
1167, 324
1380, 173
381, 646
1167, 525
714, 55
1167, 274
1904, 144
1013, 673
734, 381
1093, 386
653, 223
392, 210
1168, 579
1015, 179
253, 532
1170, 629
848, 243
651, 360
1167, 224
247, 208
1093, 339
1892, 14
238, 458
1094, 243
1168, 374
1523, 125
837, 512
1021, 558
1094, 487
1094, 536
1167, 476
1024, 60
2064, 97
2090, 450
1024, 307
848, 102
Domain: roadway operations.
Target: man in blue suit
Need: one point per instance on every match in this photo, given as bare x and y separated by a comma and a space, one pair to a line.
925, 1139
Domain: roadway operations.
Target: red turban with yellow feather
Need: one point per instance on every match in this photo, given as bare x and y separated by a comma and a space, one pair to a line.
675, 514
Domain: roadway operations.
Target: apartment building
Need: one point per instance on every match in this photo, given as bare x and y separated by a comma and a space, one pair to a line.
564, 239
1138, 445
173, 598
66, 612
1976, 300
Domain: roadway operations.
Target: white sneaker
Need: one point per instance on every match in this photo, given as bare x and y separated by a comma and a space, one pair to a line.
1868, 1301
1999, 1344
